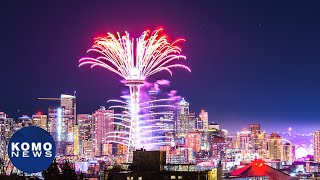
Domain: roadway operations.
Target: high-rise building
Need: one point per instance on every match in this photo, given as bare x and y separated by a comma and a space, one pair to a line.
76, 141
199, 124
40, 120
61, 121
255, 134
274, 146
254, 128
24, 121
192, 122
218, 146
193, 140
204, 118
316, 146
182, 118
261, 146
85, 134
102, 125
243, 140
287, 152
152, 110
6, 130
68, 104
169, 126
57, 129
161, 119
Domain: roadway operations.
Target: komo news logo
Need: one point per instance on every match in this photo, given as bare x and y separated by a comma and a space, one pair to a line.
34, 149
31, 149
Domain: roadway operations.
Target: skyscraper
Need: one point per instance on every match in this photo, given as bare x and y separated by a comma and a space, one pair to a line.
255, 134
24, 121
102, 125
85, 134
76, 140
169, 126
6, 130
316, 146
205, 120
192, 121
274, 146
57, 129
68, 104
286, 152
182, 119
243, 140
61, 121
40, 120
199, 124
254, 128
261, 145
193, 140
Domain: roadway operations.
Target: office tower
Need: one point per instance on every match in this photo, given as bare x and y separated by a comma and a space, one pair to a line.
68, 104
204, 118
254, 128
255, 134
274, 146
24, 121
218, 147
199, 124
102, 125
57, 129
316, 146
169, 126
182, 118
193, 140
192, 121
244, 140
85, 134
156, 122
76, 141
286, 152
6, 130
262, 145
120, 137
61, 121
40, 120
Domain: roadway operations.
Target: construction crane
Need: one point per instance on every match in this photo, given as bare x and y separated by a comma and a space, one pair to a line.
61, 98
53, 99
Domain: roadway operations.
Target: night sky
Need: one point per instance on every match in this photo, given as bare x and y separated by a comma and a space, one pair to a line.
251, 61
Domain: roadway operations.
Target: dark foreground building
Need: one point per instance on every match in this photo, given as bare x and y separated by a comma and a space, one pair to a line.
150, 165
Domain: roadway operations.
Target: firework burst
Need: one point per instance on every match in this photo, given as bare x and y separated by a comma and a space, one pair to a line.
135, 60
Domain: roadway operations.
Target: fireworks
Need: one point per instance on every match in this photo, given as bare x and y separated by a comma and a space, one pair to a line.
135, 60
155, 121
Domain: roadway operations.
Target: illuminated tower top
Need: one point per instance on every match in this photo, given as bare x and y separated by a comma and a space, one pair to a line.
183, 102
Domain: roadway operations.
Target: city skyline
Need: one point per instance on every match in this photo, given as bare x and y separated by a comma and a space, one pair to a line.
262, 61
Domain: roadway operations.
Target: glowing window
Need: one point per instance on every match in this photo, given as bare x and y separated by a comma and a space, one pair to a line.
173, 177
180, 177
